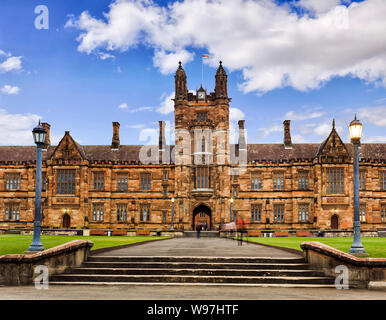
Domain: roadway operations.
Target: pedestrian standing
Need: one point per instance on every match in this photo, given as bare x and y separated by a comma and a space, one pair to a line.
198, 229
240, 229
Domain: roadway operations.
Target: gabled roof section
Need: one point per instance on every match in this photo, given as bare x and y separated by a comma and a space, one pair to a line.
68, 149
333, 147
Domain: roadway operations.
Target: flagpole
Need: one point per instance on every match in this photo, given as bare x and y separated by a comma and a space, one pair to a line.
202, 72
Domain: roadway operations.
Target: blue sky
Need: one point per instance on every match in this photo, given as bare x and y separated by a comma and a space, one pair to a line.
285, 60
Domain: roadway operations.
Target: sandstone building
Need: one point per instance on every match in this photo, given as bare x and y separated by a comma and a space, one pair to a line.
279, 188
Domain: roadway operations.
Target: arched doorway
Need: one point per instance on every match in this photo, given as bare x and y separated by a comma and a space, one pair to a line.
202, 215
66, 221
334, 222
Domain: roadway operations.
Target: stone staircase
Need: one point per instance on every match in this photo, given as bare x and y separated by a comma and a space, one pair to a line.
165, 270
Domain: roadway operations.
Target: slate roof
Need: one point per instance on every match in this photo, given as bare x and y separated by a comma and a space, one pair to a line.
256, 152
277, 152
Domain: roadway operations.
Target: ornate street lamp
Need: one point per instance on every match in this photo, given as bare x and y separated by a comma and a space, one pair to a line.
172, 213
39, 135
231, 208
355, 128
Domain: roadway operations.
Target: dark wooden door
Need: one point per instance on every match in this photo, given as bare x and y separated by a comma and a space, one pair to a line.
334, 222
202, 218
66, 221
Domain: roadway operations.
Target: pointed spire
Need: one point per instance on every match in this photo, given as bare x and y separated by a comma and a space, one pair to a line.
181, 88
333, 124
221, 88
221, 70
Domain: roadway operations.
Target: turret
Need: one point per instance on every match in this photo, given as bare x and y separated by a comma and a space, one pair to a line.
181, 87
221, 90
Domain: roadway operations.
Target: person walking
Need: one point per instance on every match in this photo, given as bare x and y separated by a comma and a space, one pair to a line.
240, 229
198, 229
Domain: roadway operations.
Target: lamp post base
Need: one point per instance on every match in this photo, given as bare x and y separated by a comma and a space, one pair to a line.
35, 248
358, 250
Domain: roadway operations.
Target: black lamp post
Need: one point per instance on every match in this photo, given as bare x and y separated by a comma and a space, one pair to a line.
39, 134
172, 213
231, 209
355, 128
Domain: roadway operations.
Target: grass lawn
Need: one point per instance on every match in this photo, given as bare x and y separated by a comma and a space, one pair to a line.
14, 243
374, 246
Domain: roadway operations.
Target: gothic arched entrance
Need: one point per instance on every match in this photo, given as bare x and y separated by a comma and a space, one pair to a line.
202, 215
66, 221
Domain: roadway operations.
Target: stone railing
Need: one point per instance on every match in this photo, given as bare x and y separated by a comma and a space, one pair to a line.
18, 269
362, 272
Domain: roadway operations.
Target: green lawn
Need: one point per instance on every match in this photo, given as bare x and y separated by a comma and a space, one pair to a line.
12, 243
374, 246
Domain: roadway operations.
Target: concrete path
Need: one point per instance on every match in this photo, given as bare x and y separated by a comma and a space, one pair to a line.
208, 247
184, 292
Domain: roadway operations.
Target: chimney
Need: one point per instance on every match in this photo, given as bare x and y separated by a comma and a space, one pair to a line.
47, 142
287, 135
115, 142
162, 142
242, 144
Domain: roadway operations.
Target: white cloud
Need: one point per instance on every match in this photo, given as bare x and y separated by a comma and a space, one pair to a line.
8, 89
10, 64
16, 129
105, 56
166, 62
318, 6
167, 105
303, 115
137, 126
272, 46
373, 115
298, 138
323, 129
236, 114
265, 132
124, 107
375, 139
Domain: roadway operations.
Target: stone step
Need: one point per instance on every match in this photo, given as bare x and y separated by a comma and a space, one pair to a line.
190, 279
204, 234
197, 265
202, 272
264, 285
193, 259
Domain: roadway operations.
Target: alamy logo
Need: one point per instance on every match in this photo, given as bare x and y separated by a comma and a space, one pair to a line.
341, 281
41, 21
41, 281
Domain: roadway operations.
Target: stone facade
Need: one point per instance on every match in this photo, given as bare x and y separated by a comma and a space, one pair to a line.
280, 187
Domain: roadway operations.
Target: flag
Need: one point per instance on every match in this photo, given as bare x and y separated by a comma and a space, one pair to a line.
205, 56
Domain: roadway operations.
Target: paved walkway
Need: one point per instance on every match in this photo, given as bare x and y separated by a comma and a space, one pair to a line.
211, 247
184, 292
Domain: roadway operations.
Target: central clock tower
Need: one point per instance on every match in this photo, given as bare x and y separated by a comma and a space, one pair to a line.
202, 181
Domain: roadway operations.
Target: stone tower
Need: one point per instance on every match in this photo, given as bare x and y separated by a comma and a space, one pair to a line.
202, 189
